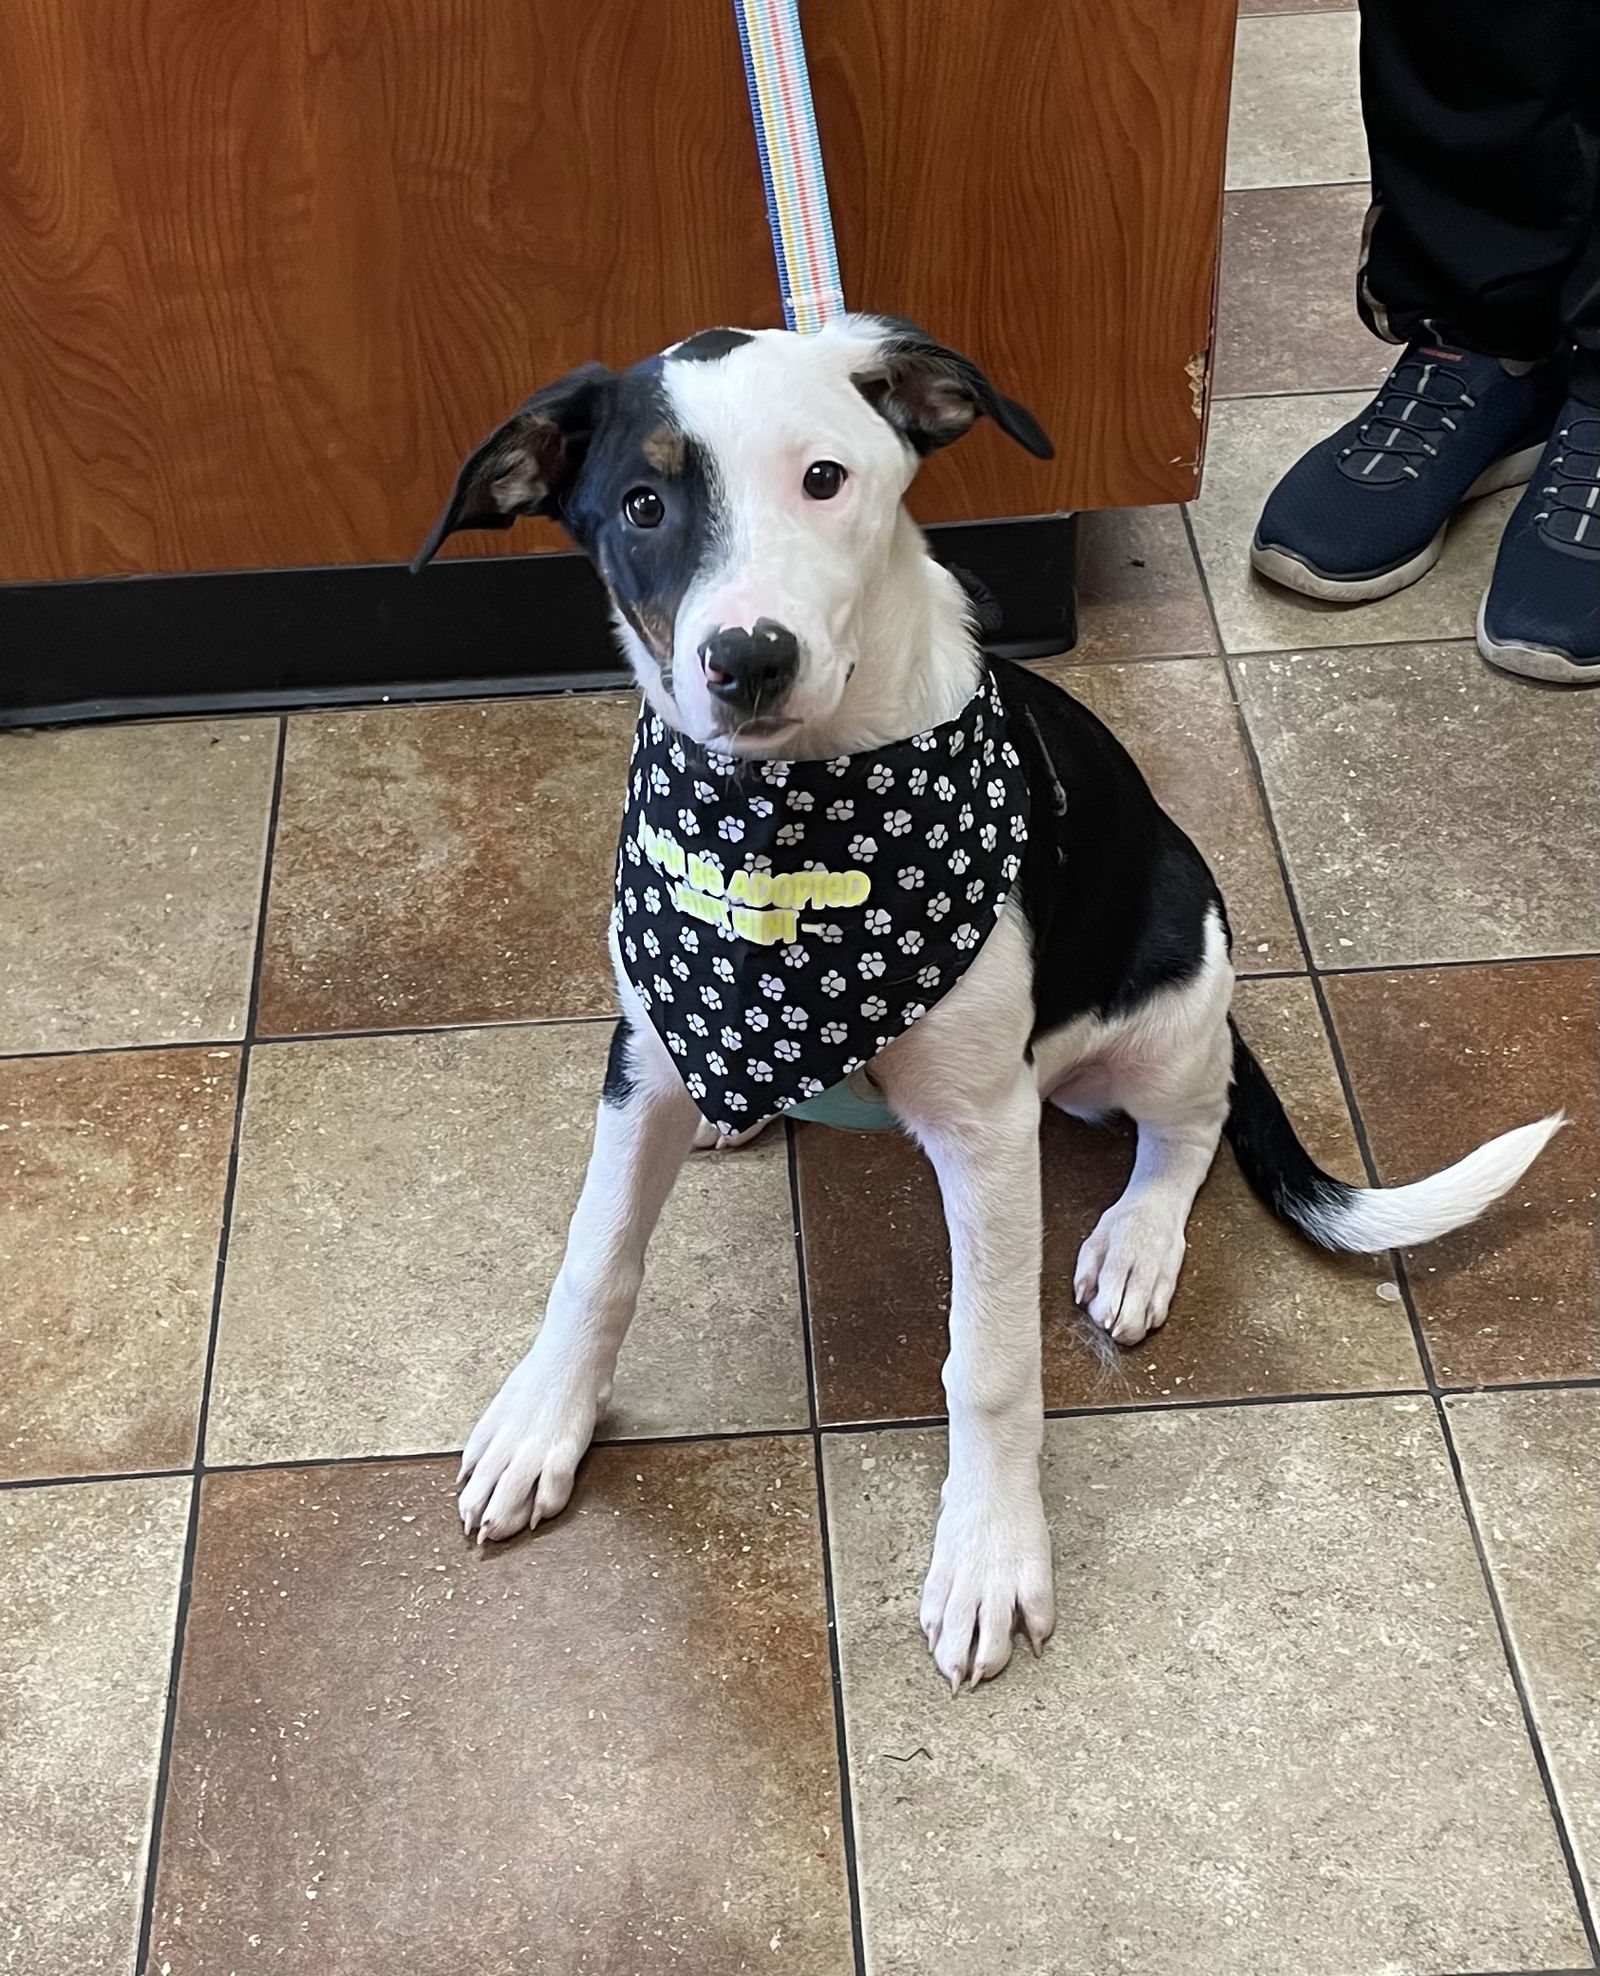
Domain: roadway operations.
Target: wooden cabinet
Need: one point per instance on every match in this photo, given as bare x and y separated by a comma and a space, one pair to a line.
269, 267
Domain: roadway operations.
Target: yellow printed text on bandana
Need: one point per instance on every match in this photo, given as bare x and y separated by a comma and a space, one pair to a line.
760, 906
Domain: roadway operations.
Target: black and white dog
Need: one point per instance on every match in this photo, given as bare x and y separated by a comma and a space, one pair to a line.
744, 480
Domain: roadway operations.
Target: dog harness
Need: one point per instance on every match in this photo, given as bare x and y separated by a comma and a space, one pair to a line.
783, 922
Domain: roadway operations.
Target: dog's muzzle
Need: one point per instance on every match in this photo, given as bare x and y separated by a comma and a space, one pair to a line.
751, 672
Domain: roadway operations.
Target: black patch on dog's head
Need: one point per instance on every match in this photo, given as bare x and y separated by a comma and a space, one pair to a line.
575, 452
708, 345
931, 395
646, 570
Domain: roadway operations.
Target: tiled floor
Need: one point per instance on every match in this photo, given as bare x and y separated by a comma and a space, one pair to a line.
286, 1170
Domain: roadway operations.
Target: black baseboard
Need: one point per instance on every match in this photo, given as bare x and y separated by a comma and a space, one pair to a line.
121, 648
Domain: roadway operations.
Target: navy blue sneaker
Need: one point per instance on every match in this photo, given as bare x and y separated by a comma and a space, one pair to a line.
1365, 513
1541, 613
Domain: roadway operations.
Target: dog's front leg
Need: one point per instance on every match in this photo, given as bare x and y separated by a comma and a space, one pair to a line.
522, 1455
961, 1082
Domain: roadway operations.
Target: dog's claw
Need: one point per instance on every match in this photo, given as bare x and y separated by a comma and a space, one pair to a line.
990, 1574
1127, 1271
519, 1462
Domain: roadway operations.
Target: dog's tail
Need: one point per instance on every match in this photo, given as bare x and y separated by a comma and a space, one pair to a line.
1284, 1175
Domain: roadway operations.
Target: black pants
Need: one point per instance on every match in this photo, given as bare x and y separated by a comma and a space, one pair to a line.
1483, 124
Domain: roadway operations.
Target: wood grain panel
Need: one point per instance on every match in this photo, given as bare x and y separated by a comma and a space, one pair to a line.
1047, 191
268, 267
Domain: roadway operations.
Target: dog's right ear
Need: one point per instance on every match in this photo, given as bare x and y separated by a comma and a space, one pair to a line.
525, 466
931, 395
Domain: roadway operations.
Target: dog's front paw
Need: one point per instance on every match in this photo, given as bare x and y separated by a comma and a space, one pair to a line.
519, 1462
991, 1572
1128, 1270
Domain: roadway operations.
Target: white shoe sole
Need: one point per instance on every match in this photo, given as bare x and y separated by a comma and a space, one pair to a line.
1278, 566
1533, 661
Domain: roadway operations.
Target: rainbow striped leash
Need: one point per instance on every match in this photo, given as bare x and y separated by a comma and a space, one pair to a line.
791, 162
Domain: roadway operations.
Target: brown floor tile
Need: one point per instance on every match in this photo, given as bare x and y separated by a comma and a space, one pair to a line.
608, 1748
88, 1598
1431, 809
112, 1170
1179, 723
1257, 1310
1531, 1462
131, 881
445, 864
1139, 590
400, 1214
1286, 300
1441, 1061
1274, 1734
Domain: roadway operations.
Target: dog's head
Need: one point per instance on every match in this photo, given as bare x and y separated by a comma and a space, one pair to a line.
738, 495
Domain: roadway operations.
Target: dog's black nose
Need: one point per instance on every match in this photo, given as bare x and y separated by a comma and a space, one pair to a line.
750, 671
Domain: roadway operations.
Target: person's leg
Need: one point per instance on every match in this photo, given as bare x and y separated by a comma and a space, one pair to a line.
1580, 297
1541, 615
1482, 182
1481, 202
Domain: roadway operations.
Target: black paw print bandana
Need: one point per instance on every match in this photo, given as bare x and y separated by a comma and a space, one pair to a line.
783, 922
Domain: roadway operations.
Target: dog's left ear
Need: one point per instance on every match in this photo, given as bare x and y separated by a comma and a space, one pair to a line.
526, 465
932, 395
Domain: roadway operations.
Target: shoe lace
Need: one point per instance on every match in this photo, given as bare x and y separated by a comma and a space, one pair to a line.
1573, 491
1420, 401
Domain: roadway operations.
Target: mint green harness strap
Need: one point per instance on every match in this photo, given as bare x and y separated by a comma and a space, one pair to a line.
843, 1106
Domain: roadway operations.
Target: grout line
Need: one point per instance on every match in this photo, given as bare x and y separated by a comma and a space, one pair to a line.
1435, 1394
1339, 972
1061, 669
573, 1021
312, 1036
1310, 644
1296, 391
1432, 967
847, 1826
1295, 184
1299, 185
881, 1425
1514, 1668
120, 1049
792, 1172
1580, 1383
454, 1454
1215, 1405
191, 1539
430, 1029
17, 1483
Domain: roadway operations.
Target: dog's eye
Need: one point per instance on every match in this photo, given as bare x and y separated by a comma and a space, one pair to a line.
823, 479
642, 506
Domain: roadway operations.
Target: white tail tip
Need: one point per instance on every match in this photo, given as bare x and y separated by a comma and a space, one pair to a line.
1374, 1218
